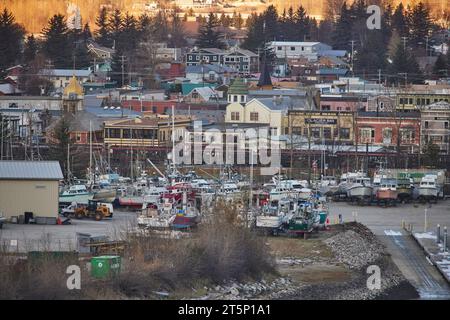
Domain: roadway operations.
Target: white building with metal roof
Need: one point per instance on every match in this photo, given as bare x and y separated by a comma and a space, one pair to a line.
29, 186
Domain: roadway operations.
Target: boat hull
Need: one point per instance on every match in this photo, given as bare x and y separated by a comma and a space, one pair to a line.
78, 198
428, 193
387, 194
105, 196
360, 192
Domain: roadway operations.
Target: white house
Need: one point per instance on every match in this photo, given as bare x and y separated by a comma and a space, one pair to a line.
61, 77
294, 49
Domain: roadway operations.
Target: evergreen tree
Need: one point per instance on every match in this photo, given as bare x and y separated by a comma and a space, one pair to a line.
11, 36
57, 45
440, 67
342, 34
129, 35
208, 35
177, 38
31, 48
237, 21
115, 27
431, 154
82, 59
270, 21
61, 142
160, 26
420, 23
302, 24
255, 35
400, 21
86, 33
116, 67
403, 63
102, 35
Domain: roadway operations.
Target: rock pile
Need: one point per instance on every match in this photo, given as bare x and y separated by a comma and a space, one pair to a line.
354, 249
252, 290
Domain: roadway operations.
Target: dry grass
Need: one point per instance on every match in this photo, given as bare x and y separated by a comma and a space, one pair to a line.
221, 249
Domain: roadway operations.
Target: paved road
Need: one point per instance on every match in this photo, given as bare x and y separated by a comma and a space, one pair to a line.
63, 237
405, 252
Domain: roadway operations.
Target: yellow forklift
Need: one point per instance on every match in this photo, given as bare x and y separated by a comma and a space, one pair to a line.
94, 209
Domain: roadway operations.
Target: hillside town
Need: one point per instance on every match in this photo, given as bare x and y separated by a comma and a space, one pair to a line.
187, 127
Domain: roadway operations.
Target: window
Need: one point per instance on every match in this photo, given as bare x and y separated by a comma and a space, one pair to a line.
253, 116
426, 124
190, 58
297, 130
214, 58
78, 137
387, 135
327, 133
235, 98
13, 105
407, 135
154, 109
315, 132
303, 48
326, 107
367, 135
279, 48
446, 124
242, 98
235, 116
292, 48
114, 133
344, 133
126, 133
212, 76
197, 58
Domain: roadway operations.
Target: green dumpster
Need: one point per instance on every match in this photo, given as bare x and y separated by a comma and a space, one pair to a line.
105, 266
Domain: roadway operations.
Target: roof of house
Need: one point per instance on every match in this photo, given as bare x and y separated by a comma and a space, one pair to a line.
440, 105
65, 72
332, 71
241, 51
398, 114
205, 68
210, 50
278, 92
205, 92
333, 53
294, 43
276, 104
30, 170
238, 87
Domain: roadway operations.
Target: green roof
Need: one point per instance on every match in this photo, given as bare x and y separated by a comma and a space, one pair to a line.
238, 87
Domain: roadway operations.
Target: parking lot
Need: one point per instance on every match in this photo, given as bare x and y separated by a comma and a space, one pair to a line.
29, 237
379, 219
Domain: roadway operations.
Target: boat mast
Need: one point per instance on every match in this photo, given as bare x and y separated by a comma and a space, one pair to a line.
250, 203
90, 151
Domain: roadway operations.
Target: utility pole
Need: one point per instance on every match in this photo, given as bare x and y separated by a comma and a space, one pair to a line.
353, 45
123, 74
404, 42
1, 145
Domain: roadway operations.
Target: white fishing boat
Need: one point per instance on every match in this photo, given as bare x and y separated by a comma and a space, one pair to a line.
328, 185
429, 188
387, 191
76, 193
360, 188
